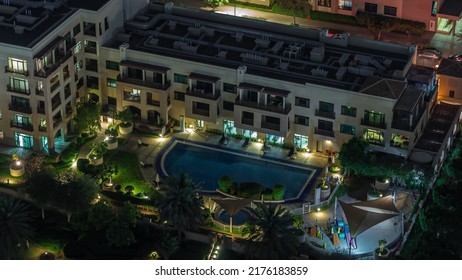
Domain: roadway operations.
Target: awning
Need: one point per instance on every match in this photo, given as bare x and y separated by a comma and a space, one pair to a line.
232, 206
145, 66
451, 9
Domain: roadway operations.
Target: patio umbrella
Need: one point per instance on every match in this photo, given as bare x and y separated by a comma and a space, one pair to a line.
157, 180
232, 206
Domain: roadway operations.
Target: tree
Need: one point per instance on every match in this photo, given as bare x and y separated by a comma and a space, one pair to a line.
125, 117
15, 226
167, 245
224, 183
87, 117
180, 206
75, 192
278, 192
293, 5
42, 187
100, 215
216, 3
269, 235
377, 23
120, 235
128, 214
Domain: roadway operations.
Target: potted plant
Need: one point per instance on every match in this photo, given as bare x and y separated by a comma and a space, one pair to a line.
298, 225
382, 183
96, 154
16, 167
382, 252
126, 121
373, 194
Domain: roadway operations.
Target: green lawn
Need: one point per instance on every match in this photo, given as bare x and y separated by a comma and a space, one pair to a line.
129, 172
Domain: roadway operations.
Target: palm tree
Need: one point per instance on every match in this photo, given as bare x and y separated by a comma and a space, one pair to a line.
15, 226
293, 5
180, 206
167, 245
270, 234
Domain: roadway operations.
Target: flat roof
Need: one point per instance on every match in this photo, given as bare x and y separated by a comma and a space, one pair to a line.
449, 67
92, 5
409, 99
451, 8
267, 49
382, 87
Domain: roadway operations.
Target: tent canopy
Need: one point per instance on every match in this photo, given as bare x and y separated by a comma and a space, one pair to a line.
381, 205
232, 206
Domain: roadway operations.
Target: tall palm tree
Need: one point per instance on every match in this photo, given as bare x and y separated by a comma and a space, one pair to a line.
270, 234
180, 205
15, 226
293, 5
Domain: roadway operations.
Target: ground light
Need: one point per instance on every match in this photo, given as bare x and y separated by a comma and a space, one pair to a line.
18, 163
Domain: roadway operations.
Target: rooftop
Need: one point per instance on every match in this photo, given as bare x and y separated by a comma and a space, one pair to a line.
451, 8
289, 53
450, 67
93, 5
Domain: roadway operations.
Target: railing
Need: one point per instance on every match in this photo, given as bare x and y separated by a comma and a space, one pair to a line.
402, 126
90, 31
16, 71
18, 90
23, 126
320, 131
132, 98
139, 82
93, 85
376, 142
308, 207
51, 68
247, 121
373, 124
89, 49
268, 107
271, 126
203, 94
153, 102
22, 109
325, 114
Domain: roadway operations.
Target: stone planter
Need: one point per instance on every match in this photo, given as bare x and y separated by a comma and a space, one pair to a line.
325, 192
126, 129
112, 144
16, 170
382, 256
373, 195
382, 186
96, 160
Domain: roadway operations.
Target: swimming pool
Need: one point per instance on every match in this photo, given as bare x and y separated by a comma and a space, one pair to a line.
205, 165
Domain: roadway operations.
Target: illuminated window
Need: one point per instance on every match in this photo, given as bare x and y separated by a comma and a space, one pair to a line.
345, 5
374, 136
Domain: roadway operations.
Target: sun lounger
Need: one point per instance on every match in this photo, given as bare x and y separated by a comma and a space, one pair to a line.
246, 143
292, 154
141, 143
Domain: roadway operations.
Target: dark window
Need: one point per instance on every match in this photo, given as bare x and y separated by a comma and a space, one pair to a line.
100, 29
247, 115
182, 79
391, 11
112, 65
302, 120
272, 120
370, 7
106, 24
229, 88
229, 106
326, 107
112, 101
451, 93
434, 8
111, 82
325, 125
178, 95
77, 29
302, 102
349, 111
347, 129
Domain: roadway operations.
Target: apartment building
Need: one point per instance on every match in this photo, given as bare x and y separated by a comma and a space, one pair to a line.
439, 16
50, 50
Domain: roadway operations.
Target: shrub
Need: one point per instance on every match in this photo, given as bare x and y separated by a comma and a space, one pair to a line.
224, 183
278, 192
79, 141
84, 135
334, 169
323, 16
233, 188
250, 190
70, 153
72, 250
268, 194
82, 165
129, 189
118, 188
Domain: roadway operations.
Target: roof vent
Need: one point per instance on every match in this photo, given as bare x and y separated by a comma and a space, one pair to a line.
319, 72
317, 54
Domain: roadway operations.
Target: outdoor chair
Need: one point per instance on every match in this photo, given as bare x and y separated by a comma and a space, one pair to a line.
141, 143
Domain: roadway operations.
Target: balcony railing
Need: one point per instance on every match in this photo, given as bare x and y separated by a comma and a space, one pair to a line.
16, 71
39, 92
52, 67
132, 98
271, 126
247, 121
41, 110
153, 102
402, 126
325, 114
268, 107
203, 94
373, 124
320, 131
55, 104
201, 112
376, 142
89, 49
22, 109
139, 82
23, 126
18, 90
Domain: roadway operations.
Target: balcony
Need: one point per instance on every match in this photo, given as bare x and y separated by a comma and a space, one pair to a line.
66, 75
22, 109
91, 67
153, 102
55, 104
69, 111
39, 92
54, 86
202, 94
272, 126
323, 132
139, 82
201, 112
367, 122
247, 121
325, 114
268, 107
90, 49
16, 71
79, 83
57, 121
67, 93
41, 110
48, 69
128, 96
18, 90
42, 128
376, 142
23, 126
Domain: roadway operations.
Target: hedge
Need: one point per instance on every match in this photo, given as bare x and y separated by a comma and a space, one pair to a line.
323, 16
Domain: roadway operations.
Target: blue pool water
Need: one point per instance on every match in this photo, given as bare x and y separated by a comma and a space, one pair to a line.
239, 218
205, 166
